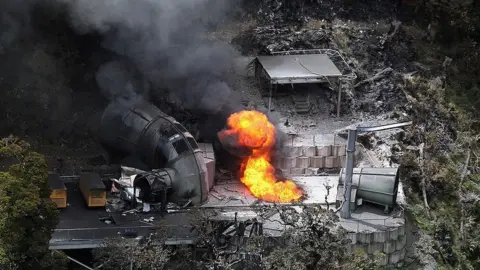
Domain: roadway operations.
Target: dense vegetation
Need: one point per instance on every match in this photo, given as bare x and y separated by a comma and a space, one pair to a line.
27, 215
313, 241
443, 172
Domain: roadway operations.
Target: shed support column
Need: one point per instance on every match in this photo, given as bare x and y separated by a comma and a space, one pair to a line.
339, 85
270, 98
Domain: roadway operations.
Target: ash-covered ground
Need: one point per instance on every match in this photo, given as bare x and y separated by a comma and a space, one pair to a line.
49, 69
53, 97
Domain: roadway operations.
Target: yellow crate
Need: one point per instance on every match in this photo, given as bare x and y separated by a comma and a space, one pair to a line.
93, 190
58, 193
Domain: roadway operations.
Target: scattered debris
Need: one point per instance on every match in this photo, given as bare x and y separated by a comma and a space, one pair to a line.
375, 77
149, 220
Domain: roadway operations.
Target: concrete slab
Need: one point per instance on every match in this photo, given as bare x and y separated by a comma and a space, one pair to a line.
235, 194
80, 227
371, 218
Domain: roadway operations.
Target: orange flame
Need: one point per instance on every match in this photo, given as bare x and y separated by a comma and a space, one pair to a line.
253, 130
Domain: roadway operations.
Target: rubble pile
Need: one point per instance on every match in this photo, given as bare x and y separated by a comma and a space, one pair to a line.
271, 38
280, 11
370, 45
380, 96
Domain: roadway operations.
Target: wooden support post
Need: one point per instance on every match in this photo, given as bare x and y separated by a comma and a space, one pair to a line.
339, 97
270, 99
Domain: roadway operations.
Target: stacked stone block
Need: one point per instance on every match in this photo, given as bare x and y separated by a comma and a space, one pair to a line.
390, 242
307, 160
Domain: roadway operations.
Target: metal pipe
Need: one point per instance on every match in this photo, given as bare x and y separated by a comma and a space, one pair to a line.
78, 262
384, 127
352, 138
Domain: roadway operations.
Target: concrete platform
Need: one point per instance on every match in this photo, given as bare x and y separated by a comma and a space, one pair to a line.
369, 228
80, 227
233, 193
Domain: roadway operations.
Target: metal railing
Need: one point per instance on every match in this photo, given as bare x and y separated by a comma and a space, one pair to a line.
181, 234
375, 224
92, 234
76, 178
95, 233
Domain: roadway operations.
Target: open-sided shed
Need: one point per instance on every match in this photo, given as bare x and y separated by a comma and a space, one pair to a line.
305, 66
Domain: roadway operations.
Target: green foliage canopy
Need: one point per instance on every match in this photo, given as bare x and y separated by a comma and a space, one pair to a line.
27, 215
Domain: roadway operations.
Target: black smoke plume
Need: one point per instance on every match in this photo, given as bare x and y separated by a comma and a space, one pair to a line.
166, 46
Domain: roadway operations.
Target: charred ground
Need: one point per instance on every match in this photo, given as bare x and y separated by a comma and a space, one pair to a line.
422, 67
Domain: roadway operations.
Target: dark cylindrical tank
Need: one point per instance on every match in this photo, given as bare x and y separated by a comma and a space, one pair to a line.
159, 141
375, 185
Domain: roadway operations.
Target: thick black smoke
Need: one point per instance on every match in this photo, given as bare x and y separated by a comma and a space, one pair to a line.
166, 44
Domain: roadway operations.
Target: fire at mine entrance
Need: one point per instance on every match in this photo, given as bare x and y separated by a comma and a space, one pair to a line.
251, 132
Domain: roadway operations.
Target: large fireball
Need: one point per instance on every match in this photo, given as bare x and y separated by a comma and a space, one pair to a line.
252, 130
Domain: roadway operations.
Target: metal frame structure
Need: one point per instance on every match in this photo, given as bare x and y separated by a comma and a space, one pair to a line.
352, 138
345, 81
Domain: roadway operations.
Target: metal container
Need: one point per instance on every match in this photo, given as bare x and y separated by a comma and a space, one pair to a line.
374, 185
93, 189
143, 131
59, 191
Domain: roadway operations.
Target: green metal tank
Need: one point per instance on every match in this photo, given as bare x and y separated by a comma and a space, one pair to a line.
374, 185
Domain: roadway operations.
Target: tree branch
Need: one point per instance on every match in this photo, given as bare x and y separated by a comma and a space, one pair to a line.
462, 208
375, 77
424, 189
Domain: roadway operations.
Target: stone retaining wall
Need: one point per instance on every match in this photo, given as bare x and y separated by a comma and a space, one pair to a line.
392, 243
307, 160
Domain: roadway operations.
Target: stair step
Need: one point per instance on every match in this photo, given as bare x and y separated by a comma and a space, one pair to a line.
297, 99
302, 111
302, 107
308, 103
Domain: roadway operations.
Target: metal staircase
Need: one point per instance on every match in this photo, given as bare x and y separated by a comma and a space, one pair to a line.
301, 103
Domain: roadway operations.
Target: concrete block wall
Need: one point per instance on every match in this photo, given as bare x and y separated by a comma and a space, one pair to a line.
209, 157
307, 160
391, 242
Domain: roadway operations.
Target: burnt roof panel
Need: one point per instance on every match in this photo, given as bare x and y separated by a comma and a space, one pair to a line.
55, 182
298, 68
93, 179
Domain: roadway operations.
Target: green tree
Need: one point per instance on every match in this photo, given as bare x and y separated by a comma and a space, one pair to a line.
27, 215
123, 253
361, 261
313, 240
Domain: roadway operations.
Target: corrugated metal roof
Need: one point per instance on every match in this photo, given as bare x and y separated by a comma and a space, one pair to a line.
298, 68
